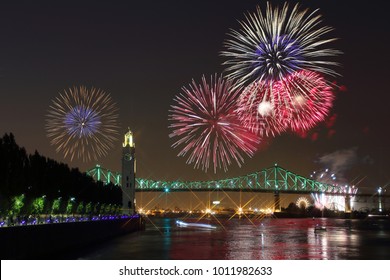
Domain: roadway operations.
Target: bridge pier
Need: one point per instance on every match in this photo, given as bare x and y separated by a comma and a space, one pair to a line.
276, 201
347, 203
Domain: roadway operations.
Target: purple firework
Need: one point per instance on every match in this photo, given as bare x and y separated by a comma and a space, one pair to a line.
82, 123
204, 121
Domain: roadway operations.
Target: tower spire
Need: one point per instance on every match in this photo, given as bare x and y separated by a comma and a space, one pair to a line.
128, 141
128, 173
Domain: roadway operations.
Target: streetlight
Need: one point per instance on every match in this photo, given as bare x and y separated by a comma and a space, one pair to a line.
379, 199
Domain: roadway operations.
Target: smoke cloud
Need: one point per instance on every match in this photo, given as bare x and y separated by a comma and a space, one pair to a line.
341, 160
338, 163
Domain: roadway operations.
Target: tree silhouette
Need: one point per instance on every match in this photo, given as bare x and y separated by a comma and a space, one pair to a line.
36, 176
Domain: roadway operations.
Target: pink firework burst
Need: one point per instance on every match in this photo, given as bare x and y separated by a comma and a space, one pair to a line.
310, 99
262, 109
297, 102
204, 121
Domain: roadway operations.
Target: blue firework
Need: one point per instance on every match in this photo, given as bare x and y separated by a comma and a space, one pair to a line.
82, 123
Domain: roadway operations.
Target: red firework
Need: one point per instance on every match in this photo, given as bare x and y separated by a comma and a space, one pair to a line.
297, 102
310, 99
262, 109
205, 122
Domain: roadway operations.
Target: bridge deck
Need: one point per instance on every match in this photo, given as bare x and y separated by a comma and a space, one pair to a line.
273, 179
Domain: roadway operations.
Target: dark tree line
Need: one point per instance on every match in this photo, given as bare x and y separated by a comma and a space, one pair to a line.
34, 175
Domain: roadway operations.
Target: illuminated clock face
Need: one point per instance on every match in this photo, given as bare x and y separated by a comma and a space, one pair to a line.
128, 157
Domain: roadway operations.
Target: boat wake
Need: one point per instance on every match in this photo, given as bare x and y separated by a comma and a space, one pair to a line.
182, 224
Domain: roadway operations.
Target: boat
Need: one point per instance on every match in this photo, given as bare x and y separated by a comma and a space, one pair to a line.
319, 228
182, 224
378, 216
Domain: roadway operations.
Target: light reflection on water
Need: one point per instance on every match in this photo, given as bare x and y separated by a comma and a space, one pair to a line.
269, 239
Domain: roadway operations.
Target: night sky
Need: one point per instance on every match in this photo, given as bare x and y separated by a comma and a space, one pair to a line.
144, 52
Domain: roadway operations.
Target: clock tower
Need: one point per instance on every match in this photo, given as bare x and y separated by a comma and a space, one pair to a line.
128, 174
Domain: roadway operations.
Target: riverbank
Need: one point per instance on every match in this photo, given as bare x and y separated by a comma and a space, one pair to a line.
46, 241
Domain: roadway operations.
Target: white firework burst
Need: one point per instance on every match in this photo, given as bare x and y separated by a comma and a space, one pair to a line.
277, 43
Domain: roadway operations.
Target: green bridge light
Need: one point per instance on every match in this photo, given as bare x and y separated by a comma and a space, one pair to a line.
270, 179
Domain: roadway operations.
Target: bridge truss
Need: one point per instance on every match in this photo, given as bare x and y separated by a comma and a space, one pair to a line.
273, 179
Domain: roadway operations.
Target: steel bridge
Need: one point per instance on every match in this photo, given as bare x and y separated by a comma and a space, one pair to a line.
273, 179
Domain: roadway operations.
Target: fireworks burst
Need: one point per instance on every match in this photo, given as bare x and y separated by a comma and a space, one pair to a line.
275, 44
310, 97
262, 110
328, 177
324, 176
204, 119
82, 123
297, 102
333, 202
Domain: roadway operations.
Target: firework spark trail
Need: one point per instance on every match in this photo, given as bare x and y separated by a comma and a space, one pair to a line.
277, 43
330, 177
204, 120
297, 102
280, 56
82, 123
262, 110
310, 96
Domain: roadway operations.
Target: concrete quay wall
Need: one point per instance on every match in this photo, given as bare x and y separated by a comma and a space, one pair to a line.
49, 241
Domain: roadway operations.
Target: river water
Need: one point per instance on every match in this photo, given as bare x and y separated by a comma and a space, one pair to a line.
250, 239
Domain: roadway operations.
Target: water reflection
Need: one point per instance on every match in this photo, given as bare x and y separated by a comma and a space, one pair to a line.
270, 239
